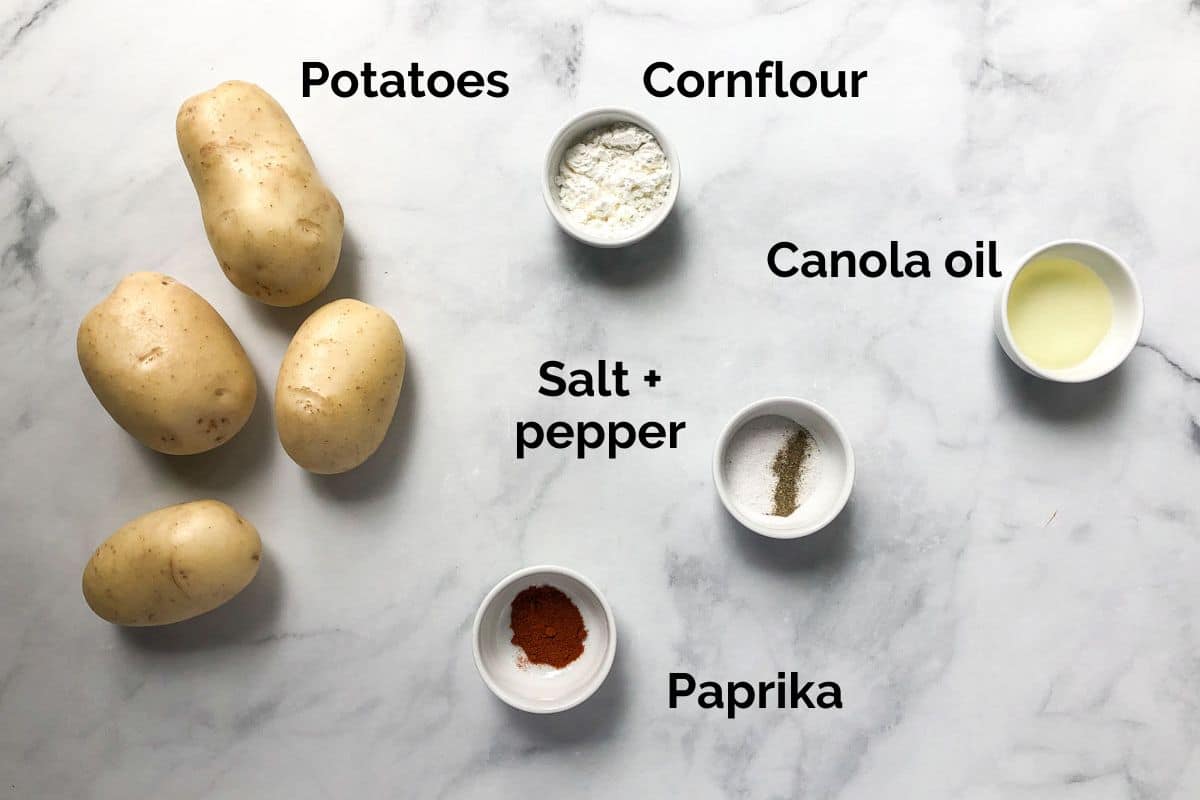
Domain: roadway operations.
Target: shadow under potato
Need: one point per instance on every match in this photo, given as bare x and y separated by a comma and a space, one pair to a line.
593, 720
231, 464
653, 259
829, 549
247, 618
378, 473
1059, 402
346, 282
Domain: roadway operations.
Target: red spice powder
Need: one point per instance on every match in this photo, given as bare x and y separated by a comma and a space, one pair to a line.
547, 626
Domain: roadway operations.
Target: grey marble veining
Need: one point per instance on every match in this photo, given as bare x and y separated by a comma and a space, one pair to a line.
1009, 602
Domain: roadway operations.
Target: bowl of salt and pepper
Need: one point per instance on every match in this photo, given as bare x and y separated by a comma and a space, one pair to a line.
783, 467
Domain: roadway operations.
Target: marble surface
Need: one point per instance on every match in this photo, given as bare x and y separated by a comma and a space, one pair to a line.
1010, 602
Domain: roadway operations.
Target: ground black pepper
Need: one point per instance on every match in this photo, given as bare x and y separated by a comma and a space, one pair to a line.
788, 467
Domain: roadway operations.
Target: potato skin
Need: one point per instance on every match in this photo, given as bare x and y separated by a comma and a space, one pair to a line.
165, 366
274, 226
338, 386
172, 564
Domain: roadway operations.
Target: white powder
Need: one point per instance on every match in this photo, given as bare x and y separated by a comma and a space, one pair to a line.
749, 457
613, 178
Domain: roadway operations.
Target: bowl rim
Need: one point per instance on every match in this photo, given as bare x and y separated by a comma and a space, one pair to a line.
1104, 368
592, 686
754, 410
550, 167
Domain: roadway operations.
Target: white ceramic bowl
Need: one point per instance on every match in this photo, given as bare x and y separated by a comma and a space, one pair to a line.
572, 132
1128, 312
830, 477
538, 688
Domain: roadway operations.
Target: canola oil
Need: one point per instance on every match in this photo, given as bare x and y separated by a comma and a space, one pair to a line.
1059, 310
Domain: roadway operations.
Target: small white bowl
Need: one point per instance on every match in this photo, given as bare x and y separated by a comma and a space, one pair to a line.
1128, 312
538, 688
572, 132
831, 474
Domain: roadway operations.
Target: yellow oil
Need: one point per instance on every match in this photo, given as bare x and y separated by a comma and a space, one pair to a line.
1059, 310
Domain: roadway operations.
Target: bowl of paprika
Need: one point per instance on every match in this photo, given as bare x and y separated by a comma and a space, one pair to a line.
544, 639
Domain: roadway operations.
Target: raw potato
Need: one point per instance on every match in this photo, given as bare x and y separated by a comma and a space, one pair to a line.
338, 386
274, 226
172, 564
165, 365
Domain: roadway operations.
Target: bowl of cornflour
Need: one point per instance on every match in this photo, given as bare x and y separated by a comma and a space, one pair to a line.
1071, 312
783, 467
610, 177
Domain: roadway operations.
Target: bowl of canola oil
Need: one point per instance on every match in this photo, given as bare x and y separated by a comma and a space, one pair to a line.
1071, 312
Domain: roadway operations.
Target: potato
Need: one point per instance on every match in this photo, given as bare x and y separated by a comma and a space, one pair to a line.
172, 564
165, 365
338, 386
274, 226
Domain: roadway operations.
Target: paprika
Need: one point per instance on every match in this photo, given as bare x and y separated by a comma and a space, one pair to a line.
547, 626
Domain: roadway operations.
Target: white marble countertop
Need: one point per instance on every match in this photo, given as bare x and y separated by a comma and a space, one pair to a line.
1010, 602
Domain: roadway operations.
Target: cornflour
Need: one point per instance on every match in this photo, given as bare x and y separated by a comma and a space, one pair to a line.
613, 178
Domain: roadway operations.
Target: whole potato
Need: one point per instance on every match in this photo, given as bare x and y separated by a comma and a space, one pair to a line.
274, 226
172, 564
338, 386
165, 365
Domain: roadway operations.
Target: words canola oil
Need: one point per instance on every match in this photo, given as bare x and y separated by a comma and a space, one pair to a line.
1059, 310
